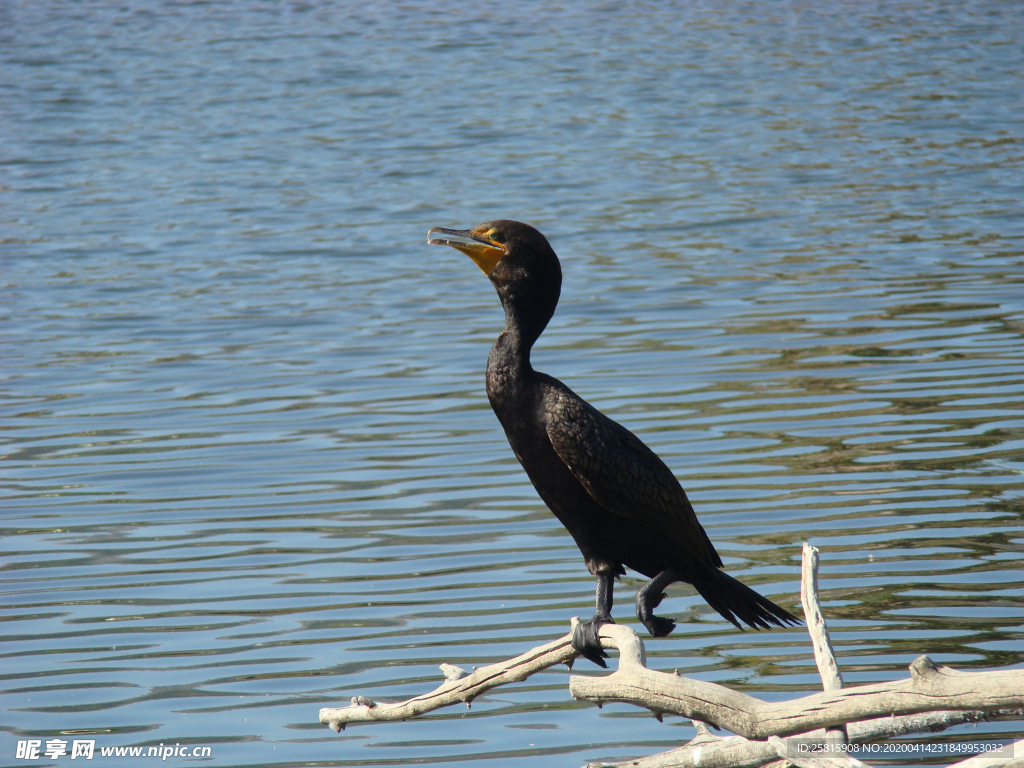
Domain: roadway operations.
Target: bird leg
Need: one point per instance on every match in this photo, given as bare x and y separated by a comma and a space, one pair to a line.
585, 637
649, 597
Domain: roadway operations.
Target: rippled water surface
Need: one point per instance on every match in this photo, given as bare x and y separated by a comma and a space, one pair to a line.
249, 469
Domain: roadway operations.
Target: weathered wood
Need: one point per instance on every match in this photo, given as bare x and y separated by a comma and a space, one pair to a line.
929, 688
457, 687
931, 699
710, 751
824, 655
783, 752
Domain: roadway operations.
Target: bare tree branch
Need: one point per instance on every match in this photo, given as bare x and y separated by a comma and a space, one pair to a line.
824, 655
709, 751
928, 688
458, 686
783, 751
932, 698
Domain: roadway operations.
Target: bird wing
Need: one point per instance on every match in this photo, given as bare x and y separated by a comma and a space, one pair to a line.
621, 473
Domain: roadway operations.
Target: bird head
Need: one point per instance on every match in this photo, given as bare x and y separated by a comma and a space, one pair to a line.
519, 262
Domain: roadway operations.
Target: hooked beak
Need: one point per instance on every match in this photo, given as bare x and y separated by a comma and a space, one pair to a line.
485, 252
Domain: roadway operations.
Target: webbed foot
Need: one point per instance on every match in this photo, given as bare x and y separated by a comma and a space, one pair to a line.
585, 639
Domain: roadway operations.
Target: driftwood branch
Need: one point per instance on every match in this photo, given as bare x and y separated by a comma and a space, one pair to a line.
932, 698
824, 656
458, 686
929, 688
710, 751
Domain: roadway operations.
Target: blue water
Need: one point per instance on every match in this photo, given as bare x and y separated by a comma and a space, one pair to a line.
249, 469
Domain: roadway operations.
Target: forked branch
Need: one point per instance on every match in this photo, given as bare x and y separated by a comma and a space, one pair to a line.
928, 688
932, 698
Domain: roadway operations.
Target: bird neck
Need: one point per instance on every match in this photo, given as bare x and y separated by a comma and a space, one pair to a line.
528, 308
509, 362
529, 294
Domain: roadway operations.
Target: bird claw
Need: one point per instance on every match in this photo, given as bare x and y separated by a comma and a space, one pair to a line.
586, 640
646, 602
659, 626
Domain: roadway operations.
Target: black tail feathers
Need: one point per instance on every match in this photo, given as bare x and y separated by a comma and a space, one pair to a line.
737, 602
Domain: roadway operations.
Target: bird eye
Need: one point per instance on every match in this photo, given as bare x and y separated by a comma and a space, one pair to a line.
496, 236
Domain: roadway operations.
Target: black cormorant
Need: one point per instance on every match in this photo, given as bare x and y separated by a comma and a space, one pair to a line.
618, 500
